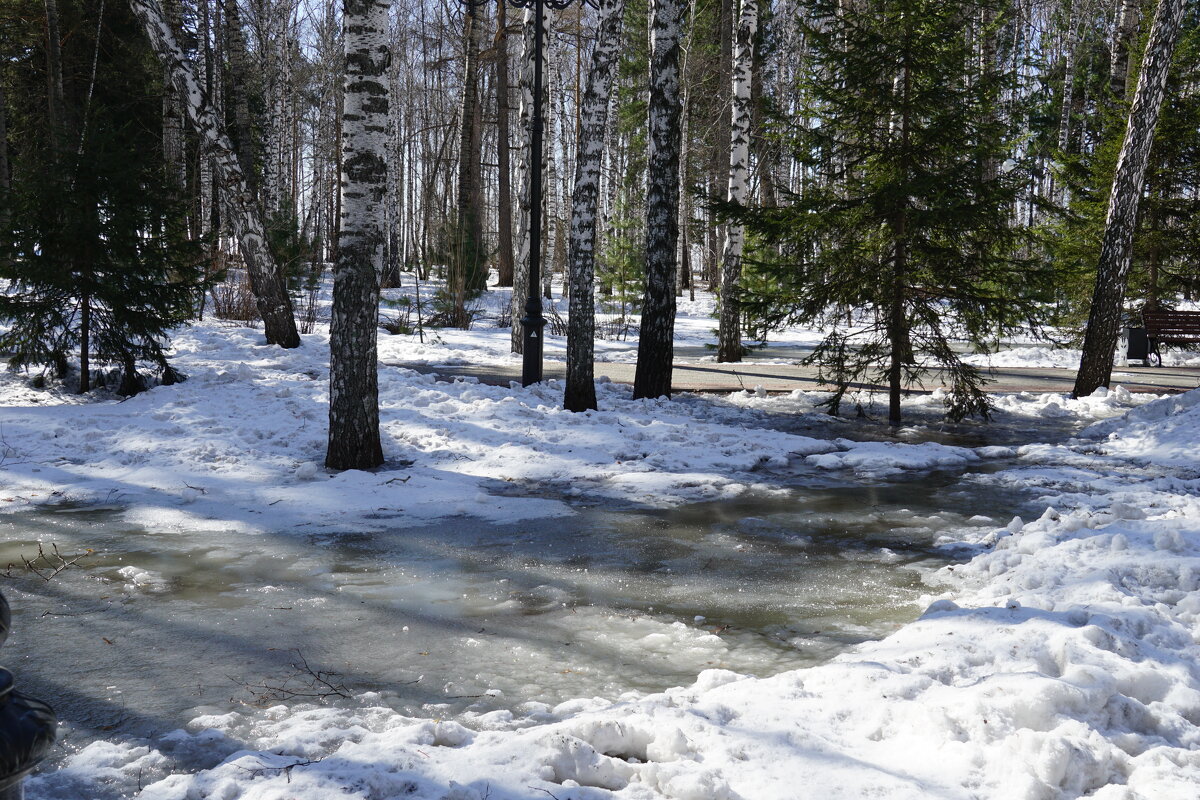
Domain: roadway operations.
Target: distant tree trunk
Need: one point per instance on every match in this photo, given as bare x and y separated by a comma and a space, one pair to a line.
1128, 18
1116, 250
5, 179
580, 392
1068, 87
719, 165
274, 304
524, 170
729, 333
54, 76
897, 319
656, 346
504, 235
172, 106
468, 275
239, 96
353, 353
85, 331
204, 175
550, 187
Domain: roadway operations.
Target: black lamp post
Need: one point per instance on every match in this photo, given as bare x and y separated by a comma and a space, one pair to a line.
533, 322
27, 727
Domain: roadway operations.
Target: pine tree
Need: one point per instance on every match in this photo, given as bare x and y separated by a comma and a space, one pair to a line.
899, 220
94, 248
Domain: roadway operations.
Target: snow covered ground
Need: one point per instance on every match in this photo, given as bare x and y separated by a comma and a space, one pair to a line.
1059, 659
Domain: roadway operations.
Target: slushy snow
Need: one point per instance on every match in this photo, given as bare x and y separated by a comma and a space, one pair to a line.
1058, 660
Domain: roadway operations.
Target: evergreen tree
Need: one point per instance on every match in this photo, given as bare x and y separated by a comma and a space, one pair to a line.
98, 264
1164, 249
900, 236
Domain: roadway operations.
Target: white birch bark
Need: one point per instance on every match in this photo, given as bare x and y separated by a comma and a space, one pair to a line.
274, 304
204, 66
729, 334
580, 394
1128, 19
550, 185
524, 170
656, 346
353, 355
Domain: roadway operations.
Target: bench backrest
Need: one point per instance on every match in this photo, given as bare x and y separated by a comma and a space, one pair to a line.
1172, 324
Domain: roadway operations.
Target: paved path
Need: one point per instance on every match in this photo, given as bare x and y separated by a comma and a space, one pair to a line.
711, 377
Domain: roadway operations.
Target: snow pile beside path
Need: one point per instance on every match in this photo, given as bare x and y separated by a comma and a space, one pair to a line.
243, 439
1102, 404
1165, 432
1030, 357
1062, 662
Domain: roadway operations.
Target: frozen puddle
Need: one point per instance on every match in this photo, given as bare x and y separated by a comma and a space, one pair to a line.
462, 617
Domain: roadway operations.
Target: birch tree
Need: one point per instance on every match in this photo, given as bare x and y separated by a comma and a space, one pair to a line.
1116, 249
353, 354
266, 281
1126, 29
524, 170
580, 392
729, 334
655, 346
504, 235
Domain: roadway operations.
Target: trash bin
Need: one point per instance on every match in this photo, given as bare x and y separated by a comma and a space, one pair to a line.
1138, 347
27, 727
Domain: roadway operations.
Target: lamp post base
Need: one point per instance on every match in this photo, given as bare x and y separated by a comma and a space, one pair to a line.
533, 324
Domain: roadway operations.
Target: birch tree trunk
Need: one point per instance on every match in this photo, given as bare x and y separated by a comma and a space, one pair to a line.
580, 394
204, 172
550, 204
270, 292
1123, 35
1116, 249
504, 234
524, 169
353, 354
729, 331
656, 346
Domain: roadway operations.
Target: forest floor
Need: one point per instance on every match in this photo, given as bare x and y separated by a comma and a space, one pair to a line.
1055, 657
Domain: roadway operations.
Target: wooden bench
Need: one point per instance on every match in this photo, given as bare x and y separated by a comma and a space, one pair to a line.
1170, 327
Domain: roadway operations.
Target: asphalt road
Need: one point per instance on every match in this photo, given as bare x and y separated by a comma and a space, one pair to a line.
711, 377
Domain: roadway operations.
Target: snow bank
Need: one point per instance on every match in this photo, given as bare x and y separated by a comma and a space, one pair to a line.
1165, 432
243, 438
1060, 662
